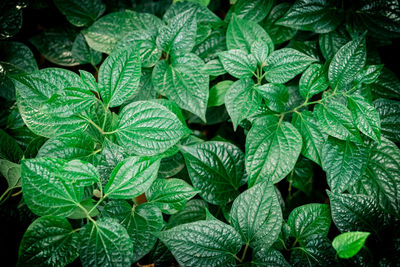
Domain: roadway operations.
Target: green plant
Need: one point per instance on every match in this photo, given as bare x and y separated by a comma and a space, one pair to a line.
206, 140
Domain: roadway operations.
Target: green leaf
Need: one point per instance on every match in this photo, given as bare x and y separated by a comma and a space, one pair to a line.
344, 162
302, 176
216, 169
9, 148
275, 95
170, 195
241, 34
365, 115
11, 18
389, 113
119, 76
369, 74
313, 138
81, 13
308, 220
214, 43
313, 81
194, 210
11, 172
356, 212
260, 51
79, 213
381, 178
257, 216
107, 31
346, 63
141, 222
48, 241
218, 92
148, 128
214, 68
255, 10
312, 15
88, 81
330, 43
317, 251
336, 120
241, 101
284, 64
238, 63
132, 177
349, 244
44, 192
272, 149
269, 258
178, 37
83, 53
279, 34
105, 243
200, 243
79, 173
183, 82
56, 45
387, 85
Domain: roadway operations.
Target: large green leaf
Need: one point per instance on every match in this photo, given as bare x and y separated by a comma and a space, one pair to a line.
257, 216
132, 177
389, 114
105, 243
183, 82
241, 101
346, 63
238, 63
284, 64
170, 195
203, 243
48, 241
272, 149
276, 96
349, 244
119, 76
279, 34
194, 210
313, 137
255, 10
344, 162
308, 220
313, 81
44, 192
149, 128
355, 212
317, 251
216, 169
336, 120
81, 13
203, 14
330, 43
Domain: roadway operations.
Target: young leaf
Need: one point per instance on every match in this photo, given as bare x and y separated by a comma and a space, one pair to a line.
105, 243
308, 220
349, 244
170, 195
389, 114
216, 169
44, 192
275, 95
346, 63
272, 149
238, 63
284, 64
48, 241
200, 243
119, 76
369, 74
132, 177
260, 51
257, 216
313, 81
81, 13
149, 128
344, 162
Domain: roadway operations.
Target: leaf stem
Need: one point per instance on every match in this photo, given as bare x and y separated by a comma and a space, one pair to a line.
5, 194
244, 252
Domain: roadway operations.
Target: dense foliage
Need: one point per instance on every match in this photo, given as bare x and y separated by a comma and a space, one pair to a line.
253, 133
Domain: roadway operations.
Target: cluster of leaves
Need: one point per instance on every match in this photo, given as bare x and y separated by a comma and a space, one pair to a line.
114, 166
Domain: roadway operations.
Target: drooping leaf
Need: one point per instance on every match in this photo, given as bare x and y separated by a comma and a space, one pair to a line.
349, 244
11, 172
387, 85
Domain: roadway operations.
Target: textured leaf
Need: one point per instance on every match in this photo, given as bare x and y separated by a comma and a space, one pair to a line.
346, 63
238, 63
194, 210
349, 244
170, 195
387, 85
11, 18
284, 64
279, 34
313, 81
79, 173
48, 241
216, 169
183, 82
389, 113
313, 138
83, 53
9, 148
344, 162
105, 243
149, 128
260, 51
241, 101
11, 172
81, 13
218, 92
272, 149
336, 120
271, 257
200, 243
275, 95
214, 68
255, 10
241, 34
202, 13
302, 176
257, 216
331, 42
44, 192
214, 43
132, 177
308, 220
369, 74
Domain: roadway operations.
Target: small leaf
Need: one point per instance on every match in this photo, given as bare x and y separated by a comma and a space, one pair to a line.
275, 95
313, 81
349, 244
11, 172
214, 68
218, 92
238, 63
